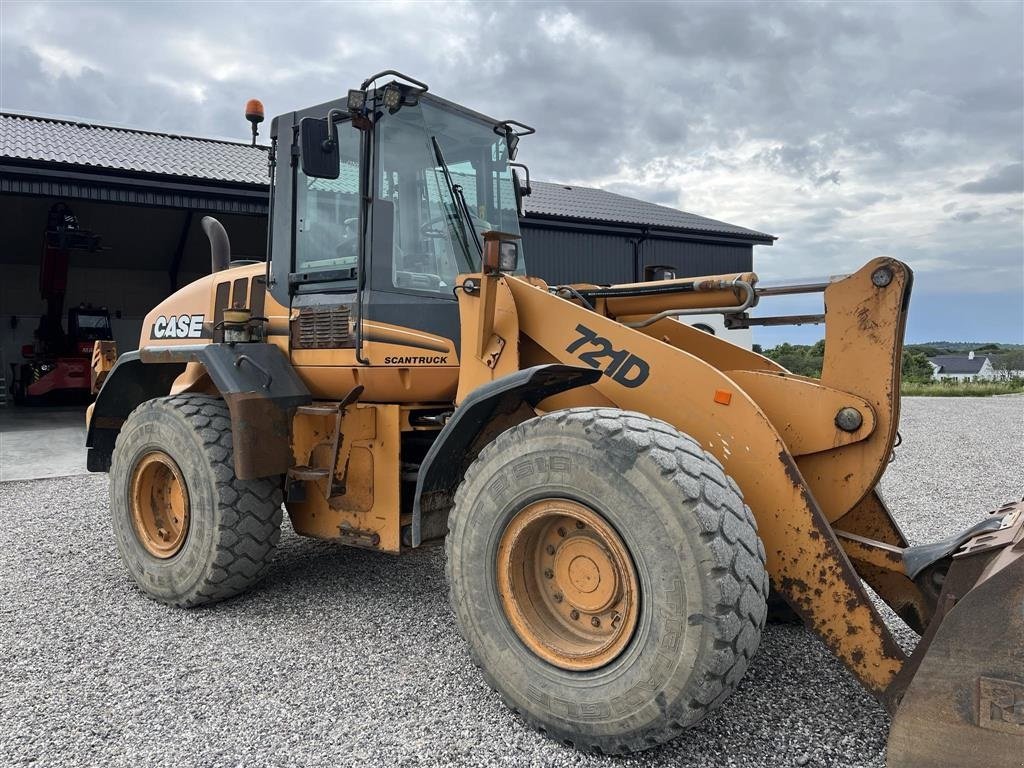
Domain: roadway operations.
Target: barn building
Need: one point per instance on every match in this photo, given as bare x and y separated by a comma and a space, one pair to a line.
144, 193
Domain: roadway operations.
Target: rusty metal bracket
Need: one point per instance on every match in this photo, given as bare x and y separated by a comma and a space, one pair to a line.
1008, 530
326, 478
877, 553
492, 352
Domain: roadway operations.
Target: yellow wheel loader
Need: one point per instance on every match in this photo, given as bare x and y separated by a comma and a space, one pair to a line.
616, 490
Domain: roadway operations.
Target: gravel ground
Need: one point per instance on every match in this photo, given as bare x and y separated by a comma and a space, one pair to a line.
346, 657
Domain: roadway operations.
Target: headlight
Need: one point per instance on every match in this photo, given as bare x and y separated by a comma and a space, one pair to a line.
392, 98
356, 100
508, 258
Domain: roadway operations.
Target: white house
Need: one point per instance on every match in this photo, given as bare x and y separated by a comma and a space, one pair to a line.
961, 367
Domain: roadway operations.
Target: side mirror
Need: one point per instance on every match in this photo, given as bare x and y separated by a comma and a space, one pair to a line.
521, 190
318, 148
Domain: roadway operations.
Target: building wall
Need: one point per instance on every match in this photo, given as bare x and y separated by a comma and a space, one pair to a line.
130, 292
560, 256
577, 255
582, 256
695, 259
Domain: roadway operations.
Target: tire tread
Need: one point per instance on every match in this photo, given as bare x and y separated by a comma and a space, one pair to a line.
727, 526
249, 519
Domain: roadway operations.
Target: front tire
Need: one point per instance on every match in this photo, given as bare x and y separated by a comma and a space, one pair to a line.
692, 552
188, 531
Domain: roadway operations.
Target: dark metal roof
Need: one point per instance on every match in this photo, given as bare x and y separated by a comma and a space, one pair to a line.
51, 140
35, 140
958, 363
598, 205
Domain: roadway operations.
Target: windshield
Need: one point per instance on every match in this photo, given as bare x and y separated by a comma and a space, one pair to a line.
418, 225
89, 326
93, 321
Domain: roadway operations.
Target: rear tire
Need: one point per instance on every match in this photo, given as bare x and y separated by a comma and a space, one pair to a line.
694, 550
219, 539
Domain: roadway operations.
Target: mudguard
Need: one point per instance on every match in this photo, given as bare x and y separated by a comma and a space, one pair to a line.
446, 461
257, 382
129, 383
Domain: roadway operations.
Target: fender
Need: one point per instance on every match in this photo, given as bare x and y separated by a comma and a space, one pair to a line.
490, 408
128, 384
257, 382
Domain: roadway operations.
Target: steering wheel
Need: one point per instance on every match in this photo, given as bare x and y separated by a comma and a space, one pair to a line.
427, 229
348, 247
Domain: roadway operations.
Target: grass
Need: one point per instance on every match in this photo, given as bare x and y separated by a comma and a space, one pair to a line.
952, 388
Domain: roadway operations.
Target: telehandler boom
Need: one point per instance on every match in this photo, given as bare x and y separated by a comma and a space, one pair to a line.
616, 490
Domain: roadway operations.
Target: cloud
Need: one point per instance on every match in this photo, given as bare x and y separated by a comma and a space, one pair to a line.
60, 62
830, 176
850, 130
1009, 178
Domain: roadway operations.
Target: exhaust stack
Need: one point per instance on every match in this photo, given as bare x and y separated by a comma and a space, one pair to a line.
220, 245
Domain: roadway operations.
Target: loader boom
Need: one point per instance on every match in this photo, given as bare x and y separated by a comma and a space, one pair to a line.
743, 416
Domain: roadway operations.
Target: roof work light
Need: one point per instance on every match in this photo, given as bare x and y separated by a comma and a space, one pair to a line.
392, 97
356, 100
254, 114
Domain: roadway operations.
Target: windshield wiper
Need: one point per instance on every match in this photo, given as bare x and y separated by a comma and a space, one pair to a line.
461, 207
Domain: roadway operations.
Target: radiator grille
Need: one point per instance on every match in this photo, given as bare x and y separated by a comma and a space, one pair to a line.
322, 328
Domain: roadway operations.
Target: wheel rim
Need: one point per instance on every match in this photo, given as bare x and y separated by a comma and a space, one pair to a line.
159, 504
567, 584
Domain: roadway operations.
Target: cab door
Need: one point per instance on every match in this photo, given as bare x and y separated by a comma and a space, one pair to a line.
343, 329
415, 256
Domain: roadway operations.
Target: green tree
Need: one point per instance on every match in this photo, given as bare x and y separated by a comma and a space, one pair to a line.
799, 358
915, 367
1010, 360
925, 349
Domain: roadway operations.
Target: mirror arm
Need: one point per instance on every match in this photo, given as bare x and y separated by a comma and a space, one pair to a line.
528, 189
334, 115
511, 125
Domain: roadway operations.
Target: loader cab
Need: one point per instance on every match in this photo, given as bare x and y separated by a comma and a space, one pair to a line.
379, 208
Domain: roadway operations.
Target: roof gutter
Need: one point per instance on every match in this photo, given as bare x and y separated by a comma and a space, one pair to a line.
648, 232
251, 200
98, 175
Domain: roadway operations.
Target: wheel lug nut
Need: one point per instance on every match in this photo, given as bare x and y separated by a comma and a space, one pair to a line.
550, 549
574, 614
616, 620
558, 597
580, 525
548, 573
595, 622
561, 532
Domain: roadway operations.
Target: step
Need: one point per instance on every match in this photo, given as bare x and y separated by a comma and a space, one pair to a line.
308, 473
317, 410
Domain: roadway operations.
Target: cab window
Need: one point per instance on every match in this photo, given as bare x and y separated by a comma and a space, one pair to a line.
327, 215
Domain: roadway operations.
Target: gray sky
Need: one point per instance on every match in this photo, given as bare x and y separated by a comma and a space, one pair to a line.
848, 130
